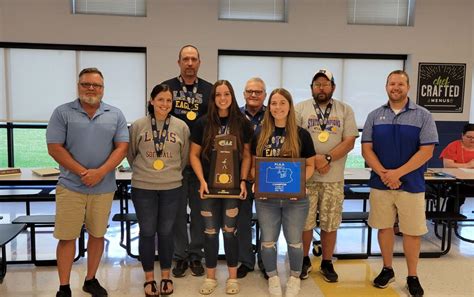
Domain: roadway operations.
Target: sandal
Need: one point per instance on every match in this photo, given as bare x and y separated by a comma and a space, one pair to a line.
154, 289
232, 286
164, 287
208, 286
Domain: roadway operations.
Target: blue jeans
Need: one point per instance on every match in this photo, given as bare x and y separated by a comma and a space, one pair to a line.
220, 213
185, 249
156, 213
244, 231
291, 214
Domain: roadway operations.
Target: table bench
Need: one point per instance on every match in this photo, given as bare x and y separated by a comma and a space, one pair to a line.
38, 221
7, 233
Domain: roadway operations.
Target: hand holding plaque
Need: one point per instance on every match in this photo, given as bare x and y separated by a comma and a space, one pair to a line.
224, 181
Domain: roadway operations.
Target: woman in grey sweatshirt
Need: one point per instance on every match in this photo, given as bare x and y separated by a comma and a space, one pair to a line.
158, 152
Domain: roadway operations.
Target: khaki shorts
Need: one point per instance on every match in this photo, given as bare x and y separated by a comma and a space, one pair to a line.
326, 199
410, 207
74, 209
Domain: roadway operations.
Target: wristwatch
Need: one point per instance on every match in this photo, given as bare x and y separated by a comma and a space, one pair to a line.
328, 158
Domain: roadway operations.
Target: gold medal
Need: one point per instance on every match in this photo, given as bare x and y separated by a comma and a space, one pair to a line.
191, 115
323, 136
158, 164
224, 178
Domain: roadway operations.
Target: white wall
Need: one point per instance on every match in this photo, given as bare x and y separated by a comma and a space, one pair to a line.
443, 32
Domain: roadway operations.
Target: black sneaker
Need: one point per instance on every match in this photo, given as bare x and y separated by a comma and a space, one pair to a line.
196, 268
63, 294
243, 270
328, 272
414, 286
180, 269
94, 288
385, 277
306, 269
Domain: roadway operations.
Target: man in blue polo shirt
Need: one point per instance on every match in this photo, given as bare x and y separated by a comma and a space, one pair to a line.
397, 141
88, 139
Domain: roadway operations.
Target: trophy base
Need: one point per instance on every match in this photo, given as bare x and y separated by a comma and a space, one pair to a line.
223, 193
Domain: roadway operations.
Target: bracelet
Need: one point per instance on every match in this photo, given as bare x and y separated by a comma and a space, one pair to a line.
243, 179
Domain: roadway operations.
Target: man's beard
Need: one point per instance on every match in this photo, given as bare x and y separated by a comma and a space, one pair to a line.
322, 98
92, 100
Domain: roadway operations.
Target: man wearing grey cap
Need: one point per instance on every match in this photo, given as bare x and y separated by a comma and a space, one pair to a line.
333, 130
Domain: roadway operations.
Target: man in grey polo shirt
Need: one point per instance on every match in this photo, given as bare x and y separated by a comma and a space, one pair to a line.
88, 139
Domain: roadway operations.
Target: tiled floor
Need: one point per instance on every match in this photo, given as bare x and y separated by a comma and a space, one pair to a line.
451, 275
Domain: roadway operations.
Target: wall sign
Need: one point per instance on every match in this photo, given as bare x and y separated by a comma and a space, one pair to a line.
441, 86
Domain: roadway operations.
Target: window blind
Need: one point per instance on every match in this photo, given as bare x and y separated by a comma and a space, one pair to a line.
110, 7
262, 10
380, 12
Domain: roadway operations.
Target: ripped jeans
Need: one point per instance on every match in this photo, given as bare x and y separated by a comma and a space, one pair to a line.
291, 214
220, 213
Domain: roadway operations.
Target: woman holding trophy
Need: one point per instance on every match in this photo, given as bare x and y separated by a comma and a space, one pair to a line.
281, 137
220, 157
158, 152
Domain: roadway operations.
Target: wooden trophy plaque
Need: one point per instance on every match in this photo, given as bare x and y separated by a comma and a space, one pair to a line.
224, 179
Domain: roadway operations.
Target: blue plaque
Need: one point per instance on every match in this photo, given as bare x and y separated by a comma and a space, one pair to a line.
280, 177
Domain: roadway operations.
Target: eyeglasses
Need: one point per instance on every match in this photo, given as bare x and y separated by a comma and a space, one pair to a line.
257, 92
471, 138
320, 85
89, 85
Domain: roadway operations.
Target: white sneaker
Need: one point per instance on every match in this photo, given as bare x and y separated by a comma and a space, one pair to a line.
293, 286
274, 286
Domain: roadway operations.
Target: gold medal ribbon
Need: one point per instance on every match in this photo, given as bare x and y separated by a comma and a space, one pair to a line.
323, 120
190, 115
160, 140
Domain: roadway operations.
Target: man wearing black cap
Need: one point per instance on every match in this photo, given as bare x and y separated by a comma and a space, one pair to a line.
333, 130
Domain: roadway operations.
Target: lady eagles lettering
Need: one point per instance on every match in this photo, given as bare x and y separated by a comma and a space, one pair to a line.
170, 137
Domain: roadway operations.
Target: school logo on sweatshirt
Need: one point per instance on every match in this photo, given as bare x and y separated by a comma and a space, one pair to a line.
170, 136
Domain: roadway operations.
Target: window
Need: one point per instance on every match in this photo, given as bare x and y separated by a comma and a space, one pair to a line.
471, 114
34, 91
3, 111
360, 82
110, 7
30, 89
261, 10
124, 79
360, 79
31, 149
381, 12
3, 148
